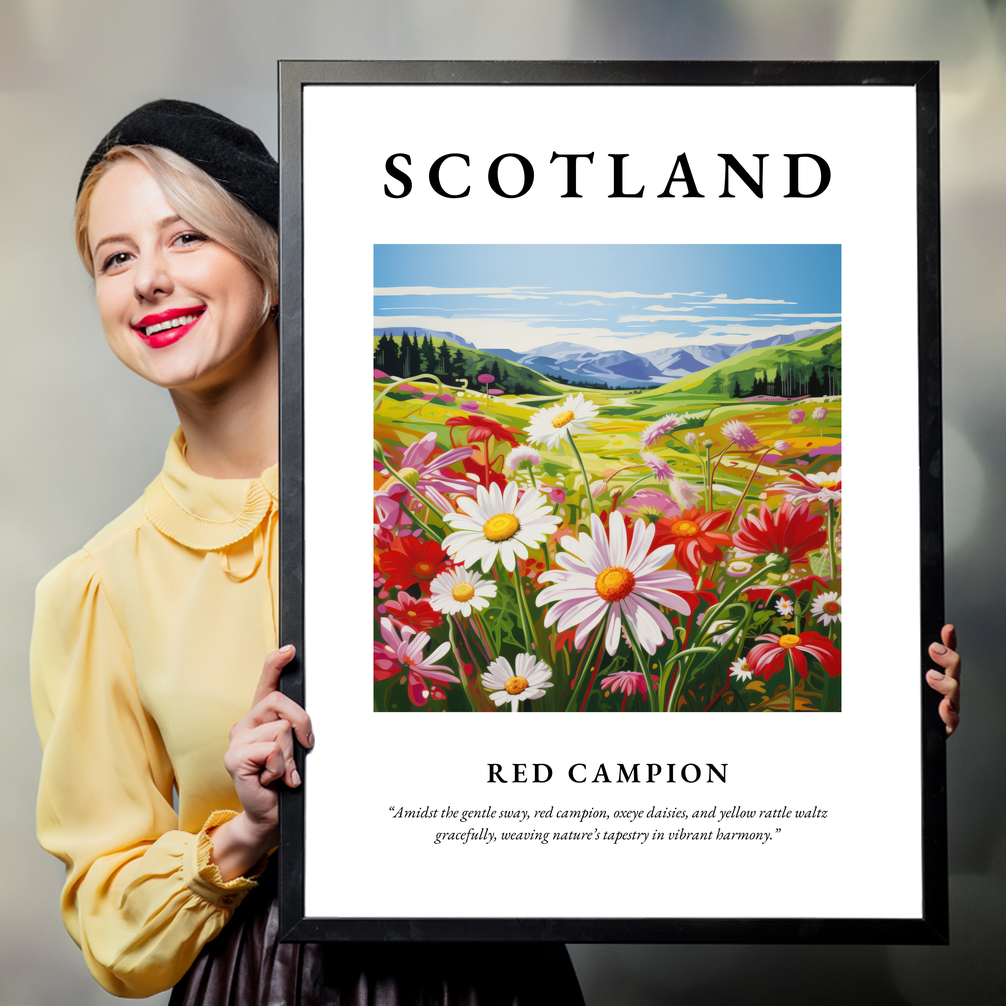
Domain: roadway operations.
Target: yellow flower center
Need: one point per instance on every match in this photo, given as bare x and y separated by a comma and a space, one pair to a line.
789, 642
685, 528
501, 527
422, 568
563, 419
614, 583
515, 685
828, 485
463, 592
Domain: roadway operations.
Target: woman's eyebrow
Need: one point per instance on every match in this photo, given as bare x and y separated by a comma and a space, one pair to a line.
160, 225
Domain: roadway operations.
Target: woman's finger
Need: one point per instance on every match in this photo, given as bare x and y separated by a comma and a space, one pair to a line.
271, 671
276, 706
278, 732
261, 760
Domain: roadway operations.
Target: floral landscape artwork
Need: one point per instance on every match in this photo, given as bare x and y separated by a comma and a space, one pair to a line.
607, 478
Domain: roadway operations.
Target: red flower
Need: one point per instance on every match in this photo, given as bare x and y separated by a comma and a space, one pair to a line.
408, 611
413, 561
481, 428
769, 656
694, 537
790, 531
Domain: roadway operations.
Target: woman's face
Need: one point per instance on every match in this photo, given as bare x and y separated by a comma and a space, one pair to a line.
177, 308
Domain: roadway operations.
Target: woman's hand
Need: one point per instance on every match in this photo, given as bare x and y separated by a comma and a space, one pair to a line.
260, 753
947, 682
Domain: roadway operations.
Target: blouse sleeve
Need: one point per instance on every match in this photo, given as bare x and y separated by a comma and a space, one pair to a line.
141, 897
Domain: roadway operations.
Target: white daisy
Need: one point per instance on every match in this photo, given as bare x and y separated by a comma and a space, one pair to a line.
784, 606
602, 576
497, 524
459, 590
738, 568
528, 682
549, 426
739, 669
828, 607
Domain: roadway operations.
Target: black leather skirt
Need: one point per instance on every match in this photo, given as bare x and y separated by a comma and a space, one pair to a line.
246, 965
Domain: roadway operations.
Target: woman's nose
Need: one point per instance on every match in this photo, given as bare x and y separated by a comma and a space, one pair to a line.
152, 277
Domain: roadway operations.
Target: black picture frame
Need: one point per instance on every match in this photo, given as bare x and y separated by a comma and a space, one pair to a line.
932, 925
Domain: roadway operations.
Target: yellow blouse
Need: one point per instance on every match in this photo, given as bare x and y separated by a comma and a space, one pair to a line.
147, 647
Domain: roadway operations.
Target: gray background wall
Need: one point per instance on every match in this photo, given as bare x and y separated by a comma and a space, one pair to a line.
82, 436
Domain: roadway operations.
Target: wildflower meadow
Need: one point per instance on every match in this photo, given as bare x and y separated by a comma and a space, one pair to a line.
665, 548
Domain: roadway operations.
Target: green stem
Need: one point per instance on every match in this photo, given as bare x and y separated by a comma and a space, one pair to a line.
379, 454
461, 664
585, 672
709, 478
583, 471
638, 652
407, 380
740, 502
792, 682
520, 607
831, 540
666, 676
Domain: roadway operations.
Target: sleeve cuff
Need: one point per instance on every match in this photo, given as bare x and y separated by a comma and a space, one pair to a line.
202, 876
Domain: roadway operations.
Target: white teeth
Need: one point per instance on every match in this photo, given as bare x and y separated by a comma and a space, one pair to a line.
174, 323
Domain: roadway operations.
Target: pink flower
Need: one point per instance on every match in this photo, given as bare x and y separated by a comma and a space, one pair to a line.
659, 429
650, 505
819, 413
796, 415
378, 374
470, 406
740, 434
425, 475
557, 495
782, 446
658, 466
405, 652
628, 682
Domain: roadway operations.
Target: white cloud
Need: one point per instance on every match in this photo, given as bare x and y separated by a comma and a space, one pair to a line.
723, 299
806, 314
581, 303
516, 296
628, 293
432, 291
662, 307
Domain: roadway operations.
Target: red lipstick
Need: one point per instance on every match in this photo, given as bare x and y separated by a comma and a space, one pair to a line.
166, 329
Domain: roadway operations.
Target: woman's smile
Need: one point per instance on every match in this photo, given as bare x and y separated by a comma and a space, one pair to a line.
167, 327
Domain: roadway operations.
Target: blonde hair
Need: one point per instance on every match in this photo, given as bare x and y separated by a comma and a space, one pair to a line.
199, 200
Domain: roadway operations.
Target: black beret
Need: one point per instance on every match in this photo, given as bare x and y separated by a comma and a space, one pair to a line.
230, 154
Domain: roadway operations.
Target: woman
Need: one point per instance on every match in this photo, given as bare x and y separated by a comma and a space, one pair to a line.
149, 642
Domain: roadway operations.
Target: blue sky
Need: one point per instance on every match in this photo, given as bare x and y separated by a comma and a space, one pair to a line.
606, 297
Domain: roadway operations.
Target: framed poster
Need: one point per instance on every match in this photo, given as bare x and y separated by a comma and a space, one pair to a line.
583, 324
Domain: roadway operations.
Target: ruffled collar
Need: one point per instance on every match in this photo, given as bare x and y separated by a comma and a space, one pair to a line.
203, 513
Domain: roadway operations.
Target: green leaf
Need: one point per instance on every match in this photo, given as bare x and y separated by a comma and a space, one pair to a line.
820, 563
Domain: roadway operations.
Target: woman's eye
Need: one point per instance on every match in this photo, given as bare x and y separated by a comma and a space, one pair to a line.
114, 261
190, 238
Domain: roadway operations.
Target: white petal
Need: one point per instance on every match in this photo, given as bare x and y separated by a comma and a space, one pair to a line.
613, 632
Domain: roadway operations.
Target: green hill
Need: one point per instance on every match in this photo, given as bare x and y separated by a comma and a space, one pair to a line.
452, 363
811, 366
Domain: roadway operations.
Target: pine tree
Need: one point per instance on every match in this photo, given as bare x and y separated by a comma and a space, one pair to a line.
428, 355
415, 364
405, 356
444, 357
